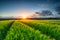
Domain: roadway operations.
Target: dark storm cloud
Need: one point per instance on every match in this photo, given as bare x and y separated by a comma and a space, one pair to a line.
45, 13
57, 9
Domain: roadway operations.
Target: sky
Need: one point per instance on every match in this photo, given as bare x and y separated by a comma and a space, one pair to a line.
26, 7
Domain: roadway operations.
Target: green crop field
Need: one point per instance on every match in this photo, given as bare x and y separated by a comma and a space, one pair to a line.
30, 30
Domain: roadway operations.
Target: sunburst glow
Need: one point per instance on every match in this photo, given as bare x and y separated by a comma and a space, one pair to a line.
24, 16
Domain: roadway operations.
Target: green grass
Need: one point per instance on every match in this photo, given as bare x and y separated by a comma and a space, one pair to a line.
20, 31
4, 27
46, 27
30, 30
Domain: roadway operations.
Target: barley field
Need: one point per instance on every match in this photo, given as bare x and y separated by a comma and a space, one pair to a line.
30, 30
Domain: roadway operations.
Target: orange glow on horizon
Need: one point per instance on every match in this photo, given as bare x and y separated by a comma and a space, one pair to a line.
24, 17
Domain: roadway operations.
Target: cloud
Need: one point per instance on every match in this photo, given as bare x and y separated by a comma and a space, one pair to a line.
57, 9
58, 3
43, 5
45, 13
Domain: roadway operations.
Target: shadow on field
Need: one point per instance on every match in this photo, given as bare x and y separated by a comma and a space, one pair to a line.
6, 30
37, 29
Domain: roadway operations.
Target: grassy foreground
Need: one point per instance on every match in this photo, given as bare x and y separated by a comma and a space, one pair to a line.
30, 30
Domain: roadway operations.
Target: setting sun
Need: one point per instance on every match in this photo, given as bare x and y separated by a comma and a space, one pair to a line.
24, 17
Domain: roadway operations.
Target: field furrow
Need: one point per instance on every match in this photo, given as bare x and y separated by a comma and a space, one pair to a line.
48, 29
20, 31
4, 28
30, 30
